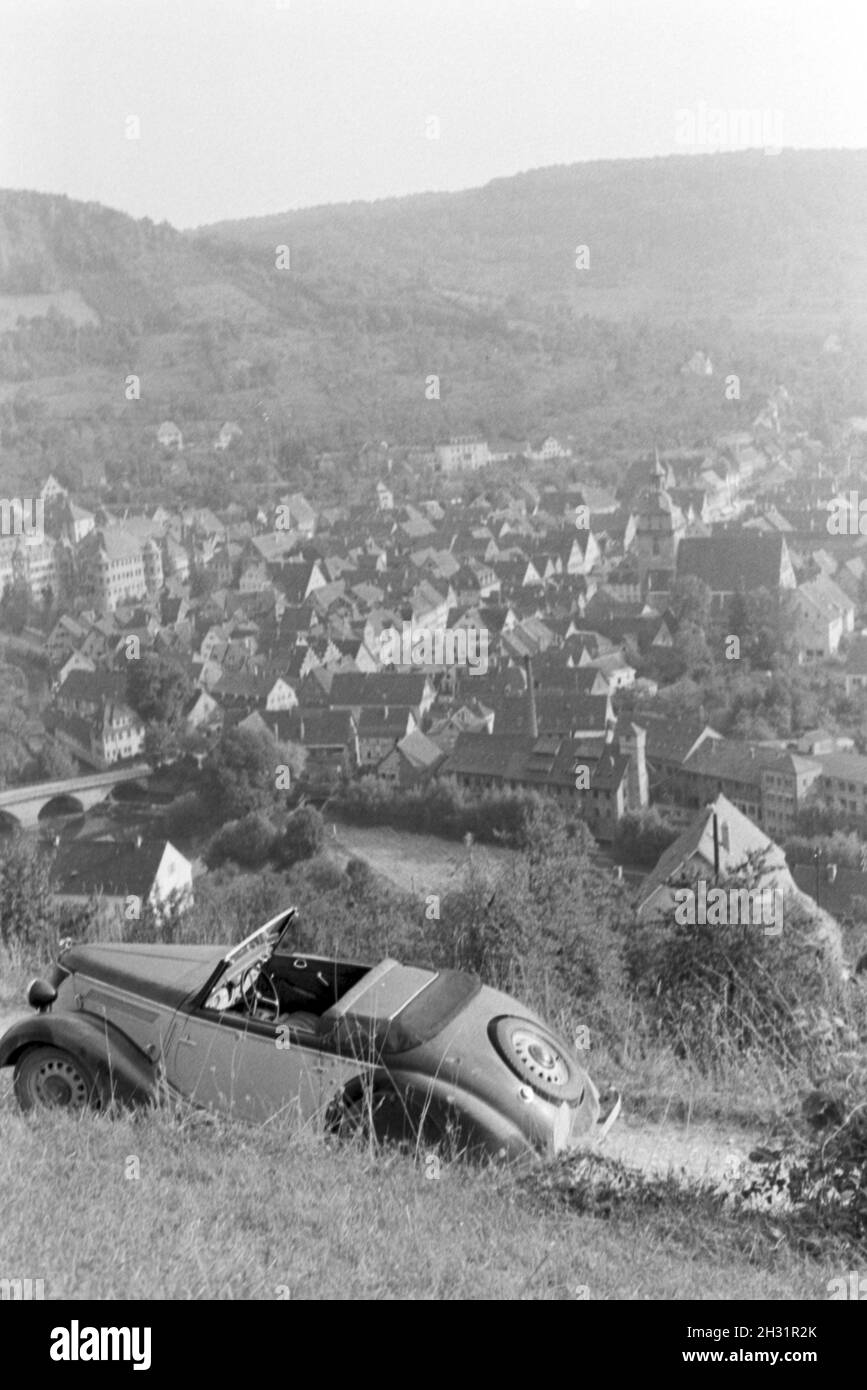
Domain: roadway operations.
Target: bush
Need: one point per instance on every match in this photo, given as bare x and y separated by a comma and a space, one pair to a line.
185, 817
323, 875
839, 847
302, 837
360, 875
717, 992
249, 842
440, 807
26, 898
641, 837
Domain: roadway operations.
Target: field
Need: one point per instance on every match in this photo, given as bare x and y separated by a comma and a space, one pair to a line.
209, 1210
212, 1209
418, 864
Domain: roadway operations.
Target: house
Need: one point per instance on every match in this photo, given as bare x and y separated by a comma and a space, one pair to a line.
734, 562
281, 696
117, 566
32, 561
697, 365
126, 874
855, 667
78, 522
384, 498
843, 782
547, 449
380, 729
721, 840
358, 691
768, 785
200, 711
670, 742
76, 661
462, 452
296, 514
169, 436
52, 490
86, 692
600, 779
555, 712
329, 739
412, 759
100, 738
64, 638
825, 614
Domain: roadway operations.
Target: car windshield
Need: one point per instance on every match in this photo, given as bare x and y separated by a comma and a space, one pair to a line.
260, 943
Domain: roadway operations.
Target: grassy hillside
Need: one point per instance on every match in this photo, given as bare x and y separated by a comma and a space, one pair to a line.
754, 258
210, 1210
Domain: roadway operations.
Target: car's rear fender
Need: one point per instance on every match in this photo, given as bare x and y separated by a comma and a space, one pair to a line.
122, 1069
480, 1128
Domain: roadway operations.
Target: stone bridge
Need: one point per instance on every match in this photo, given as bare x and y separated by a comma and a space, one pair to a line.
27, 806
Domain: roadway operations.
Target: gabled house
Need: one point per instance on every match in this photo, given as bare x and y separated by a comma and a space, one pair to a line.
380, 729
701, 851
412, 759
125, 874
825, 614
736, 561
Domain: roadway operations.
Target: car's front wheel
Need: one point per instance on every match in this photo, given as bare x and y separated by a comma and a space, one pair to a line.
46, 1077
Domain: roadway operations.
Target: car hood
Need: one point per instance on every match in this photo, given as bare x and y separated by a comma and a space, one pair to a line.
166, 974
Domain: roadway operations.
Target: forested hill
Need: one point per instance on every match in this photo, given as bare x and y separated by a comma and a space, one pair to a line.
755, 259
779, 240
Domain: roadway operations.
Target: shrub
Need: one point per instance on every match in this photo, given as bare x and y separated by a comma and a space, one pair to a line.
249, 842
641, 837
439, 807
718, 992
302, 837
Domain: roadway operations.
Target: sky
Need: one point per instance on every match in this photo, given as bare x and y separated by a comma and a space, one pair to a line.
193, 111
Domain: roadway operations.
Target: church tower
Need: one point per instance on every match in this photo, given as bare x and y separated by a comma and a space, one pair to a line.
660, 527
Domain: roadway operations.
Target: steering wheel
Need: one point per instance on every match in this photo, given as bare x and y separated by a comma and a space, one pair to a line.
258, 995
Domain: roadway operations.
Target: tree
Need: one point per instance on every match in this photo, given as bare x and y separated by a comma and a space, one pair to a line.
161, 744
690, 601
239, 776
54, 762
158, 688
203, 582
247, 842
692, 650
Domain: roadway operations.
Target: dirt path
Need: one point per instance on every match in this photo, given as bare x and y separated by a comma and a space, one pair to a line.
701, 1150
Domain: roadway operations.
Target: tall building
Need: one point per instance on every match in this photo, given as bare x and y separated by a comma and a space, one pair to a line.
660, 527
462, 452
113, 567
31, 561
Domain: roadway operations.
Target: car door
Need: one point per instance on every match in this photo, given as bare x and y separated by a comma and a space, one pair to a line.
249, 1069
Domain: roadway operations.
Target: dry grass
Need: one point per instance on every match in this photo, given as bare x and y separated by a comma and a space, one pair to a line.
225, 1211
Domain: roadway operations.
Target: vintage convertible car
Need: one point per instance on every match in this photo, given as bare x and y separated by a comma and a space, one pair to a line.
264, 1030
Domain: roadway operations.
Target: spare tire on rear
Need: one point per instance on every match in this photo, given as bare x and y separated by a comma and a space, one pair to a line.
537, 1057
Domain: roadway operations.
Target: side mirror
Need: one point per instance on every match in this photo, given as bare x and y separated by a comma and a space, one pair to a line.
41, 995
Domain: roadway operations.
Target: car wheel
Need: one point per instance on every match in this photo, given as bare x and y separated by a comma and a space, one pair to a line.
538, 1059
46, 1077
